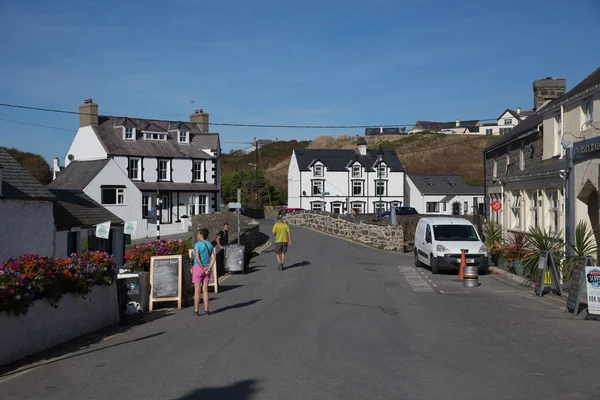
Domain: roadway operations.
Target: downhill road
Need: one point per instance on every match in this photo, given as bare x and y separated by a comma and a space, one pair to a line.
342, 322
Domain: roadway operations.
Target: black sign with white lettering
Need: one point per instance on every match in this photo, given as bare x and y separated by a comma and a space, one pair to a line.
165, 277
577, 284
586, 149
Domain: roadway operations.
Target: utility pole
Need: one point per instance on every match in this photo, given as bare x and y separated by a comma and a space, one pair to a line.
256, 174
239, 199
158, 214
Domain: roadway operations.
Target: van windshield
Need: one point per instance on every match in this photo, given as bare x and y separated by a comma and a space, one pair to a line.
455, 233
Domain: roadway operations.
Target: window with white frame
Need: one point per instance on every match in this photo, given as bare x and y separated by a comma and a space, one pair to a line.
379, 207
508, 121
516, 210
554, 211
129, 133
163, 170
466, 208
134, 169
432, 207
489, 131
522, 157
396, 204
318, 170
317, 206
382, 171
337, 208
357, 188
444, 206
557, 138
197, 204
533, 209
155, 136
146, 202
588, 113
357, 171
380, 187
198, 171
359, 207
317, 187
183, 137
113, 196
504, 130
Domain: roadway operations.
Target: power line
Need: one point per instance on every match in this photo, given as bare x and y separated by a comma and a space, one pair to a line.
235, 124
38, 125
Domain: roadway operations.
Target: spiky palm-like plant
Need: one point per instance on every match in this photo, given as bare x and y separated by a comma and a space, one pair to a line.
539, 240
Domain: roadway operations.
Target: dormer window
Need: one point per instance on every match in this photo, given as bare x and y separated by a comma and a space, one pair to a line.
183, 137
129, 133
356, 171
155, 136
318, 170
382, 171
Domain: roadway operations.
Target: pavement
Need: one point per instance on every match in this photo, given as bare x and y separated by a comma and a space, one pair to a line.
344, 321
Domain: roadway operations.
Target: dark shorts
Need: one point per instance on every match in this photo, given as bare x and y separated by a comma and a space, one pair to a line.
281, 247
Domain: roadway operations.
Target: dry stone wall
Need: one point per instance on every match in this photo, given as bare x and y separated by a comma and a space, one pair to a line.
385, 237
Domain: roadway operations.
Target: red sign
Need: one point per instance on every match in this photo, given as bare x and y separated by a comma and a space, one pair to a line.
496, 206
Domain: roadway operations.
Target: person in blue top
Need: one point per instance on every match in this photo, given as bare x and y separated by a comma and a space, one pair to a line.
204, 260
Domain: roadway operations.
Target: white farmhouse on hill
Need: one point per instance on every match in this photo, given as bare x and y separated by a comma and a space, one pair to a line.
173, 165
340, 180
443, 194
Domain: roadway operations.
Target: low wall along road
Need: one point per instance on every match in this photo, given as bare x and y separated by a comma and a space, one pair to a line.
381, 236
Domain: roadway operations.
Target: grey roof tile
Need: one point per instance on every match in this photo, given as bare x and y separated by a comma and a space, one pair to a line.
18, 183
443, 184
78, 174
74, 209
338, 160
109, 131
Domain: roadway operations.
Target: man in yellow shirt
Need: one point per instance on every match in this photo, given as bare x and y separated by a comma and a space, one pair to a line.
283, 238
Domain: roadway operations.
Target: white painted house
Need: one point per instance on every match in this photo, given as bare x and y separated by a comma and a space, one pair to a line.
443, 195
507, 121
173, 165
340, 180
26, 218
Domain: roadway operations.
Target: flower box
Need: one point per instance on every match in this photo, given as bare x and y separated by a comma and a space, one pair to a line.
45, 326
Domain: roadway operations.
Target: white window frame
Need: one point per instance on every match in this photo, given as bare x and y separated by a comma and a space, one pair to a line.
202, 203
489, 131
384, 170
380, 183
356, 184
120, 199
432, 207
533, 209
138, 169
444, 207
128, 133
508, 121
318, 171
183, 137
379, 206
315, 183
339, 205
554, 209
522, 156
358, 206
357, 171
146, 205
395, 204
515, 207
167, 171
466, 208
317, 205
588, 113
200, 171
158, 136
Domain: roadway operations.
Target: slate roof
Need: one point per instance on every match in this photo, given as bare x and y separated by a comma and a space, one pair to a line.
74, 209
78, 174
591, 81
338, 160
18, 183
473, 129
443, 185
521, 116
177, 186
110, 132
439, 126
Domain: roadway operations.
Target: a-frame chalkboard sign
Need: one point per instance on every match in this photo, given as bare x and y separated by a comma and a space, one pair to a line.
577, 283
546, 262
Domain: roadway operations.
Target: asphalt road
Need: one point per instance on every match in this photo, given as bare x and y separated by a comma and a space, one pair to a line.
343, 322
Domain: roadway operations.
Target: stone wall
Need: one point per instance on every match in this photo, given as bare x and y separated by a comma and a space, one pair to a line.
385, 237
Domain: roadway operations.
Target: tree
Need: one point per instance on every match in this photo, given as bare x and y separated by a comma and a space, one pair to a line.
245, 181
34, 163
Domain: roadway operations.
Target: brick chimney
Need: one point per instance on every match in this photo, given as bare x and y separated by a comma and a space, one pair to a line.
88, 113
201, 118
546, 90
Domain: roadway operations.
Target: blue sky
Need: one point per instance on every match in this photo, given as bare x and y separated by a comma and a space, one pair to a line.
282, 62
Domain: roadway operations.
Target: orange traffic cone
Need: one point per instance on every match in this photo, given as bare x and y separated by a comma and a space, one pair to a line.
463, 264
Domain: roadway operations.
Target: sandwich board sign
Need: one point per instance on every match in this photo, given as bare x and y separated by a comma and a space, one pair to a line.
592, 282
546, 263
165, 279
577, 283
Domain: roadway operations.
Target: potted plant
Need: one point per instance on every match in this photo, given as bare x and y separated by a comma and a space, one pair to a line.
515, 251
492, 232
539, 240
584, 246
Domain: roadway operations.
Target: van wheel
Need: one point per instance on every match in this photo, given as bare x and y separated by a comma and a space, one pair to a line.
433, 264
418, 263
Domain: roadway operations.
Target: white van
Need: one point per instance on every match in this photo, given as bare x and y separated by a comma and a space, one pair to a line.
440, 240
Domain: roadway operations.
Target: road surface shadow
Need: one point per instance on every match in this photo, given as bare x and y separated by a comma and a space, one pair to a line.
254, 268
227, 288
298, 264
242, 390
234, 306
60, 358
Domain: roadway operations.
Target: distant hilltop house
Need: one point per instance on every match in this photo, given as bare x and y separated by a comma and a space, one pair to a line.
337, 181
151, 172
260, 143
385, 131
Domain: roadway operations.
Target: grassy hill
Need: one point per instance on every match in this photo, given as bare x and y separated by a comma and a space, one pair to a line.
420, 154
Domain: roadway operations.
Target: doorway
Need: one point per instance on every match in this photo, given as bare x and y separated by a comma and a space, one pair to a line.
456, 208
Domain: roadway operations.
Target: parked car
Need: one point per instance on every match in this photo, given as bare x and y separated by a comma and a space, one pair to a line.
439, 241
285, 210
399, 211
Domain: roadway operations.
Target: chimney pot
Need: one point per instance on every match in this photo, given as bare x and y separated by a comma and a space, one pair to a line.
518, 110
457, 123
